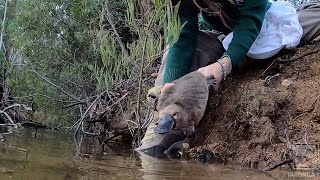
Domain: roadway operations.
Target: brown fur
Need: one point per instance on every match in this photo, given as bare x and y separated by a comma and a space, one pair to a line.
188, 97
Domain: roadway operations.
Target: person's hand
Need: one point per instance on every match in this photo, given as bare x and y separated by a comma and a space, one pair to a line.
215, 69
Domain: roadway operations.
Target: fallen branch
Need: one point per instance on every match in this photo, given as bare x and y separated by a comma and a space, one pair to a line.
13, 148
10, 107
88, 133
8, 117
301, 56
121, 109
7, 129
114, 103
17, 105
290, 60
117, 134
78, 123
267, 69
272, 167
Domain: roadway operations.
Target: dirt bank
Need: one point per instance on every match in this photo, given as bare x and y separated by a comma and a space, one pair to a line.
250, 121
256, 123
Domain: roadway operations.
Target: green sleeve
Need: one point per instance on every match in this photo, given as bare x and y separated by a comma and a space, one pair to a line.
180, 55
247, 29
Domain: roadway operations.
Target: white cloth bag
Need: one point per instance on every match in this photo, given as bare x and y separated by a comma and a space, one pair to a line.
280, 29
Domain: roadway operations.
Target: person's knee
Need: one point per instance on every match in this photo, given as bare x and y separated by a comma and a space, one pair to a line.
309, 14
209, 48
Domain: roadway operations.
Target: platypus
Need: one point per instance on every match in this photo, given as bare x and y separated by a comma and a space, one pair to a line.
182, 105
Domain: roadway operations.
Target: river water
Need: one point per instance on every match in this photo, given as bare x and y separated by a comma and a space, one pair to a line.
53, 155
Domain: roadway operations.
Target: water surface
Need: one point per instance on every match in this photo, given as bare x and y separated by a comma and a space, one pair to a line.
53, 155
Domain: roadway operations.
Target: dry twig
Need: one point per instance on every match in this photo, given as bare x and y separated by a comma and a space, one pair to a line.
290, 60
8, 117
301, 56
267, 69
79, 122
140, 82
17, 105
7, 146
272, 167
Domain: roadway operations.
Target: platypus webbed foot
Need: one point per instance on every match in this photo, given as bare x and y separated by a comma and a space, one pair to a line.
165, 124
178, 149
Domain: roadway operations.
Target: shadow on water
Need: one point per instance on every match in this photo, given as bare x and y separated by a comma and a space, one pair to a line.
52, 155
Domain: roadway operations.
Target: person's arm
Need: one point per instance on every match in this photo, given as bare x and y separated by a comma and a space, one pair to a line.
246, 31
180, 55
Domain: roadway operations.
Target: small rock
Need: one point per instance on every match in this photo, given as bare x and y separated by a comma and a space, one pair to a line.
286, 82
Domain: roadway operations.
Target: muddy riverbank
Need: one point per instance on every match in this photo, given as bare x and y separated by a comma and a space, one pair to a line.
264, 117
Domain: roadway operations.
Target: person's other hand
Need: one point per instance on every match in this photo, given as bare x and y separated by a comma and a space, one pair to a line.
215, 69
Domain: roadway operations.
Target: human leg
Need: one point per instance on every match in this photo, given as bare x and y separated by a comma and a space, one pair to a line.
309, 14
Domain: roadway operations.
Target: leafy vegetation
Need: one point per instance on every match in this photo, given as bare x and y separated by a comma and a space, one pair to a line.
59, 52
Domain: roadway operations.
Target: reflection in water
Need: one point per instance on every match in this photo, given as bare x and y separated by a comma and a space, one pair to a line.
52, 155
